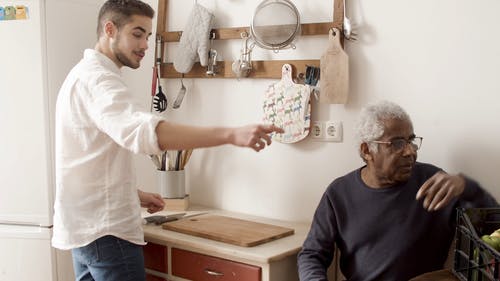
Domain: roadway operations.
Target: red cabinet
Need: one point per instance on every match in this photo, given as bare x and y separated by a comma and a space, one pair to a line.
198, 267
156, 257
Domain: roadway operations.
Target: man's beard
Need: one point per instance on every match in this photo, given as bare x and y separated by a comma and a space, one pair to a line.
122, 58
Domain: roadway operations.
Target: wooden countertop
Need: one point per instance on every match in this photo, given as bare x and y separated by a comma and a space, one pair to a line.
264, 253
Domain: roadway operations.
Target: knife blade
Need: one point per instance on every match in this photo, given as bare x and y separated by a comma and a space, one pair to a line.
174, 218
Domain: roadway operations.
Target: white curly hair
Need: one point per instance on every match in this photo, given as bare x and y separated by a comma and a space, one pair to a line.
370, 125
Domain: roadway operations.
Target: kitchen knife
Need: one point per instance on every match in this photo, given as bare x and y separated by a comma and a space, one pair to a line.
158, 219
181, 216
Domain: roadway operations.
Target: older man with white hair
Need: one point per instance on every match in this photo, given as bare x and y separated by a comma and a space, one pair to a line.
393, 218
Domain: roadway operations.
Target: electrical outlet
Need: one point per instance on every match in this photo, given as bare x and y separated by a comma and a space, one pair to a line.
317, 130
333, 131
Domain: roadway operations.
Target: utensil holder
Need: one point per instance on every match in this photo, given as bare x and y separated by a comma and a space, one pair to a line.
172, 184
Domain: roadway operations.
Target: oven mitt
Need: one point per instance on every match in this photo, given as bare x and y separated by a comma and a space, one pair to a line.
194, 41
287, 105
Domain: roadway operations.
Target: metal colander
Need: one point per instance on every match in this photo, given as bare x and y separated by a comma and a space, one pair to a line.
275, 24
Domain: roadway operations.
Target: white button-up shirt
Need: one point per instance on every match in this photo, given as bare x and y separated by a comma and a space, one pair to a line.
98, 126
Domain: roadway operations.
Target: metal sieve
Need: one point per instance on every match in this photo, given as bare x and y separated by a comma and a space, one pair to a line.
275, 24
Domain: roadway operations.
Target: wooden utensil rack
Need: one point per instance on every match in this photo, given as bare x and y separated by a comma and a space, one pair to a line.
260, 69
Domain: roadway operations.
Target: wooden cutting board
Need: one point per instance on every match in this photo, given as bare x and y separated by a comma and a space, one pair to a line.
229, 230
334, 71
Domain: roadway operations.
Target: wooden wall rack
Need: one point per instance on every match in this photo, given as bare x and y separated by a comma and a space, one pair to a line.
260, 69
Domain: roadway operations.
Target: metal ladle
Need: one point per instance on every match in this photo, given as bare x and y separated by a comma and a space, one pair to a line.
243, 66
212, 57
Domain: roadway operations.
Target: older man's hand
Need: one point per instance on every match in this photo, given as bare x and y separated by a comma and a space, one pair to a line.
439, 189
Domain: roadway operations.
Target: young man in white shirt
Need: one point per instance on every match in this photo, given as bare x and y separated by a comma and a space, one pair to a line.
98, 127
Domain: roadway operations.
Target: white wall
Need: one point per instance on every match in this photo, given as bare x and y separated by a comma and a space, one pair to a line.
438, 59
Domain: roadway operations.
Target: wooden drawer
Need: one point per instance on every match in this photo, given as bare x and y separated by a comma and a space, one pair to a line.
200, 267
155, 257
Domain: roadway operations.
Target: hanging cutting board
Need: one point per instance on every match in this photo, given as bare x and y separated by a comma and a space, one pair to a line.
286, 105
334, 67
229, 230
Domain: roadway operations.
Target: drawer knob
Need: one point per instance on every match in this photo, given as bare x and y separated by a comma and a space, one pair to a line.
213, 273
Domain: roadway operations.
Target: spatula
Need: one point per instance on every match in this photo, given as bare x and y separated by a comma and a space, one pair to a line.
160, 100
334, 71
180, 95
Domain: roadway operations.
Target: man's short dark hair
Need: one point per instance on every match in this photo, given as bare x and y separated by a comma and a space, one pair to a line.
121, 11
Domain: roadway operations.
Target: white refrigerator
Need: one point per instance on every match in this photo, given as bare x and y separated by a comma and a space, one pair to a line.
36, 53
26, 181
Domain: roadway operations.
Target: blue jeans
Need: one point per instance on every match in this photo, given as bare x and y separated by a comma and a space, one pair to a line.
109, 259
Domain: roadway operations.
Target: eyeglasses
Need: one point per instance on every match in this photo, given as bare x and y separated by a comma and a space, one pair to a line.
398, 145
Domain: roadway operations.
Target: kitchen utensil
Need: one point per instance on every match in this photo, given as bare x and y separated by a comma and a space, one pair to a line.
184, 216
159, 219
178, 160
229, 230
156, 161
194, 40
160, 100
158, 50
286, 105
154, 158
153, 88
243, 66
186, 154
275, 24
180, 95
347, 27
212, 57
312, 75
334, 71
212, 62
172, 183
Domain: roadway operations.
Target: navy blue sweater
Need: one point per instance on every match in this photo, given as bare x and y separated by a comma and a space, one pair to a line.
382, 234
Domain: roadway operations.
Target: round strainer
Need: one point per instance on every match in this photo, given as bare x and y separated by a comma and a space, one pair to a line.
275, 24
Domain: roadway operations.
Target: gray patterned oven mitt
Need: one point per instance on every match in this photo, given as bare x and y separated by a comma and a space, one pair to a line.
194, 41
